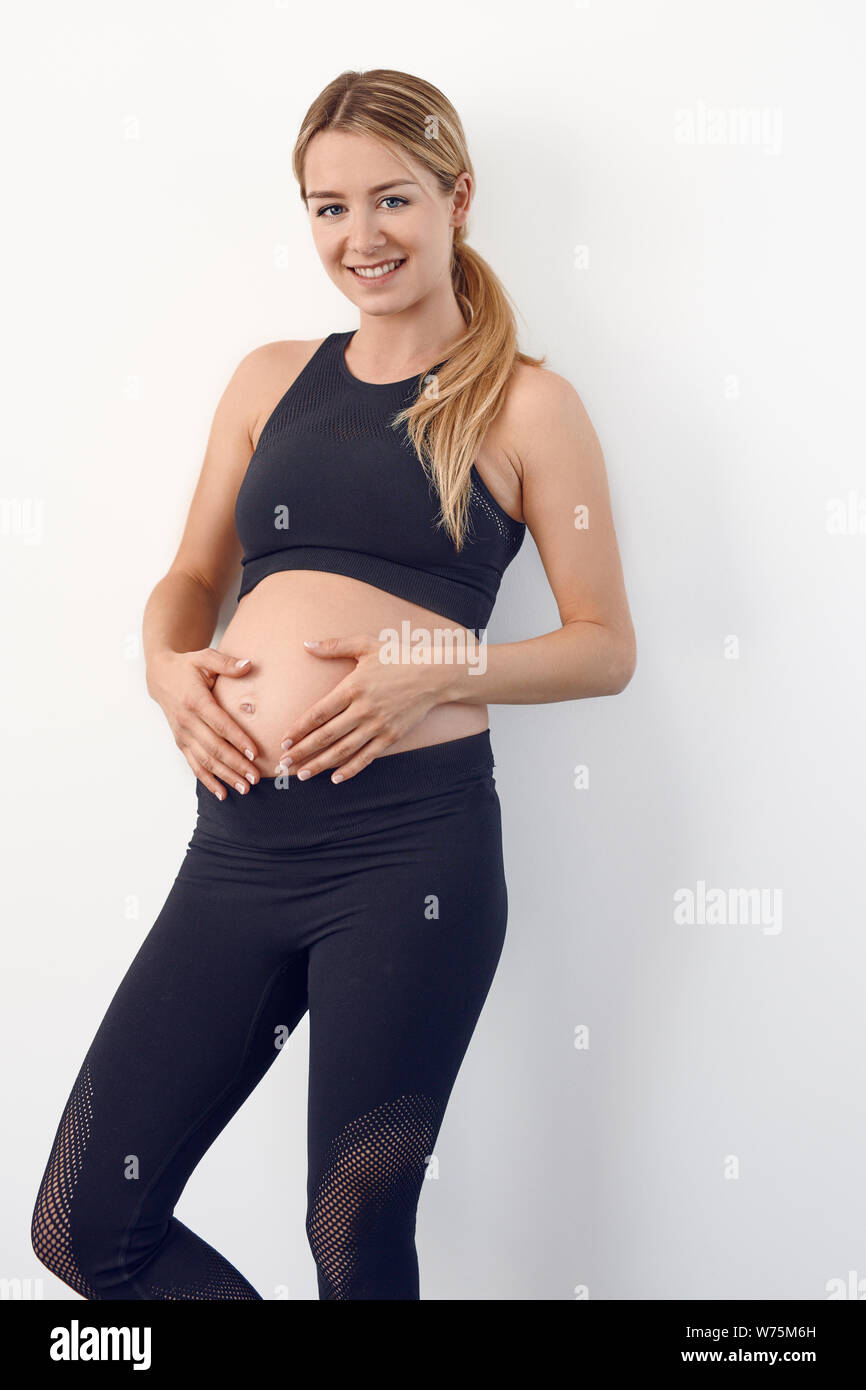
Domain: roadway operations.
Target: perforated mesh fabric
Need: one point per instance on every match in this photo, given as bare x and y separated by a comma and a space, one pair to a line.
510, 535
202, 1273
317, 409
50, 1227
218, 1281
368, 1193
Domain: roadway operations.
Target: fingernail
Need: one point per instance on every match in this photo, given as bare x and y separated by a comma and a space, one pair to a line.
311, 644
302, 776
250, 778
287, 743
337, 777
245, 662
241, 786
250, 754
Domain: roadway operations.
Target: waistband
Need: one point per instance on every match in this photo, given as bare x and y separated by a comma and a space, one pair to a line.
281, 812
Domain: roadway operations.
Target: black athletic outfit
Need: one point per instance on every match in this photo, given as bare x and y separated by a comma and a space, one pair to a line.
378, 904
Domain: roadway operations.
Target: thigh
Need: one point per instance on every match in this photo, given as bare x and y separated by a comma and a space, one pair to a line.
397, 986
197, 1019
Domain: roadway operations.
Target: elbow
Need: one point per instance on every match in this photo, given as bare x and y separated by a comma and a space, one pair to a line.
613, 661
623, 668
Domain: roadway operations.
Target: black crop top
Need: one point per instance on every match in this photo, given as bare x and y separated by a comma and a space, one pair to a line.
332, 486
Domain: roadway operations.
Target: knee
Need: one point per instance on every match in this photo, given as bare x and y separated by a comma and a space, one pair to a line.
51, 1221
51, 1238
361, 1216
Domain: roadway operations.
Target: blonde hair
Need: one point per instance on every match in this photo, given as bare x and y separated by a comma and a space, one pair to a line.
453, 412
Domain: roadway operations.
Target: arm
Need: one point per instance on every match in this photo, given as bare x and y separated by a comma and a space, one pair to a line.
562, 468
182, 611
180, 615
555, 449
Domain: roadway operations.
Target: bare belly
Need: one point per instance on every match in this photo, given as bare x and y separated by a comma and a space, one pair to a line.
284, 679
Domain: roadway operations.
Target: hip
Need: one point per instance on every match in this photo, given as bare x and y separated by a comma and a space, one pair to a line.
411, 801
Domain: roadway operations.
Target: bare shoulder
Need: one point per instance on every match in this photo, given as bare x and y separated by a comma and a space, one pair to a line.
542, 407
567, 506
264, 375
539, 422
277, 355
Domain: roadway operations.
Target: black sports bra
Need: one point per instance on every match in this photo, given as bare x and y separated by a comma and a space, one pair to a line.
332, 486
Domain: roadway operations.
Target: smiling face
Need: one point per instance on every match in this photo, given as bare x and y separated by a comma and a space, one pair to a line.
380, 223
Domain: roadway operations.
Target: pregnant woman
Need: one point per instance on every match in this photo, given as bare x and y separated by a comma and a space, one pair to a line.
346, 859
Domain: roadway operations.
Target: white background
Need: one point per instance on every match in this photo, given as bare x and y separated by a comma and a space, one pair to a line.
709, 1141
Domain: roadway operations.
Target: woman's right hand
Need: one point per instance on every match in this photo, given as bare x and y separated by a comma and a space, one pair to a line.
210, 740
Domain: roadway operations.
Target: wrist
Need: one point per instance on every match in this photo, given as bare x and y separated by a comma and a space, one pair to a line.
447, 681
155, 661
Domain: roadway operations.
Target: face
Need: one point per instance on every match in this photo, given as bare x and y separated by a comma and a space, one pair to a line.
370, 207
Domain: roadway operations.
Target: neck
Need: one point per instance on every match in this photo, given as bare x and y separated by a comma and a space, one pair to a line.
391, 347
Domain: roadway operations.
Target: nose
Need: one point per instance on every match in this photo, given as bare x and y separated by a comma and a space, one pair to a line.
364, 237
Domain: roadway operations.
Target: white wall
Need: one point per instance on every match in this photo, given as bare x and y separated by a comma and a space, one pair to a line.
708, 1142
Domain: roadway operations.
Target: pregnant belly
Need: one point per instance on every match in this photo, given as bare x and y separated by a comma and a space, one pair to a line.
283, 680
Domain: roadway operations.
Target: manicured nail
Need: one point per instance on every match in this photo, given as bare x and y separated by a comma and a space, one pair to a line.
287, 743
337, 777
241, 786
250, 754
250, 778
302, 776
311, 644
244, 662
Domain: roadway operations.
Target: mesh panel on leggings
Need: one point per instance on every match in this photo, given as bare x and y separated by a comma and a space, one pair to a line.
50, 1228
370, 1185
218, 1282
214, 1277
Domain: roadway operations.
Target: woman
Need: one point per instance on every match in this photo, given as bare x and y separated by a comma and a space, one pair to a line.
347, 853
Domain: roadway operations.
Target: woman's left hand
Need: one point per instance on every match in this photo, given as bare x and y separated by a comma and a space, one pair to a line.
371, 708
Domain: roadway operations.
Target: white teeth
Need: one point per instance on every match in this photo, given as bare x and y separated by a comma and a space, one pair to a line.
376, 271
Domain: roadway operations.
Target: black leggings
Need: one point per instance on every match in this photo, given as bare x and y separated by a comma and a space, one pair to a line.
380, 905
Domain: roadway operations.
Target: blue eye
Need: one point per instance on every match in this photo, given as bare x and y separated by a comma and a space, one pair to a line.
389, 198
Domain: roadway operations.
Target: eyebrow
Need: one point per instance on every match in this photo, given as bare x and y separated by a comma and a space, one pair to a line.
379, 188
